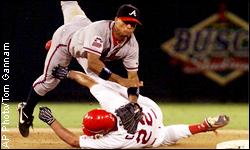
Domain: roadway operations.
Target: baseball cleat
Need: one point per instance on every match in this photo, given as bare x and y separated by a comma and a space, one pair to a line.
24, 121
214, 123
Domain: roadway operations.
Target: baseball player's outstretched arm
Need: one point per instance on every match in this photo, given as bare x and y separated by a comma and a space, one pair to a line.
133, 76
65, 134
81, 78
45, 114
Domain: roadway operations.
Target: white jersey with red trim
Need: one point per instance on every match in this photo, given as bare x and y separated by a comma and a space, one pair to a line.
97, 38
150, 128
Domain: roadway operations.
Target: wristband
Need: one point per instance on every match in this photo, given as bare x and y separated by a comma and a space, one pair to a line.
51, 121
105, 73
133, 91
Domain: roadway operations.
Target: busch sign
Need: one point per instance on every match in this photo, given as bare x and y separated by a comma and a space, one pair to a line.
218, 49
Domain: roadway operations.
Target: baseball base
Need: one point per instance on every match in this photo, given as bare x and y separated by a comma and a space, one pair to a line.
233, 144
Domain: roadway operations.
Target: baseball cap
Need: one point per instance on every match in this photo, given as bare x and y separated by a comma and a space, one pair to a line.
128, 12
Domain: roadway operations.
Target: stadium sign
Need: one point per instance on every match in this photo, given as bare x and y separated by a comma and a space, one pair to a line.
217, 47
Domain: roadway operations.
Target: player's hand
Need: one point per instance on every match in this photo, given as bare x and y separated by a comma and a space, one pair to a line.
45, 115
60, 72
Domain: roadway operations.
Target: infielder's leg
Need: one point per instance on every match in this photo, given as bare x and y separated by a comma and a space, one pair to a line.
45, 83
70, 10
72, 13
58, 54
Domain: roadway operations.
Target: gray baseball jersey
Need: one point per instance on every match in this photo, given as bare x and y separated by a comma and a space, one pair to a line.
97, 38
78, 37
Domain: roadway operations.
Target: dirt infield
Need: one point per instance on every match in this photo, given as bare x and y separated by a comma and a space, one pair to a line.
41, 138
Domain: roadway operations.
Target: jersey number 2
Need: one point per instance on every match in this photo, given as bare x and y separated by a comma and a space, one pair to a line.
142, 134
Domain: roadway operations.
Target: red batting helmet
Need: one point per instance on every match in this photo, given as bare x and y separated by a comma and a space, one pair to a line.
98, 121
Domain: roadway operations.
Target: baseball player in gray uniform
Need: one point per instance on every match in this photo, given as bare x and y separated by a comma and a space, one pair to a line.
92, 44
102, 128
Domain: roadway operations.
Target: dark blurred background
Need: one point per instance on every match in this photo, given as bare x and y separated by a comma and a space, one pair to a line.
28, 25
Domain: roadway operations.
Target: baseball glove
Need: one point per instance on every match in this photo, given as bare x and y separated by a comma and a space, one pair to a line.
130, 115
60, 72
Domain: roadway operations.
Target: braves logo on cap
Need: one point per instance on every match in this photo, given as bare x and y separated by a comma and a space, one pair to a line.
128, 12
133, 13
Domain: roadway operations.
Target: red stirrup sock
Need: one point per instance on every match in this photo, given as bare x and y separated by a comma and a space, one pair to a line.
197, 128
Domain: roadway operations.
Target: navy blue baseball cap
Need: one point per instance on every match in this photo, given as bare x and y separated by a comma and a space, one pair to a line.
128, 12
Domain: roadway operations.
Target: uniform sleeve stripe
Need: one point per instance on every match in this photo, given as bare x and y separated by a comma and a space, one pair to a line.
92, 51
132, 69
